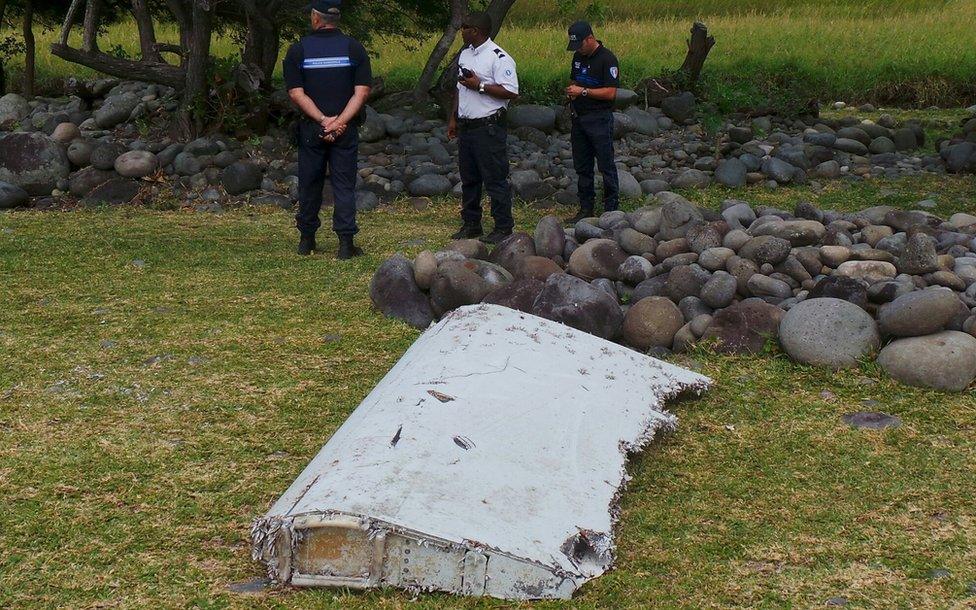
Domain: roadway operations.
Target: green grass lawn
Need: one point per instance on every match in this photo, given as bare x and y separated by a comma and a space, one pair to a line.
166, 375
896, 52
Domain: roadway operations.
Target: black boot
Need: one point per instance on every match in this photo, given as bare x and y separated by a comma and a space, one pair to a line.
347, 249
496, 236
306, 245
583, 213
469, 231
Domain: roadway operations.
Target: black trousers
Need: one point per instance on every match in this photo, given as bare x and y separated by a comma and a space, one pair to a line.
483, 163
341, 158
592, 139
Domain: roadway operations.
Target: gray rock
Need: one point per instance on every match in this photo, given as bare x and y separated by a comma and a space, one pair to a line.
685, 281
136, 164
372, 128
629, 187
867, 271
643, 122
796, 232
944, 361
115, 191
765, 286
531, 115
429, 185
529, 186
634, 270
719, 290
870, 420
577, 303
843, 288
882, 145
851, 146
241, 177
731, 173
904, 139
766, 249
827, 169
634, 242
509, 253
33, 162
960, 158
677, 215
115, 110
185, 164
13, 109
691, 178
921, 312
12, 196
395, 293
458, 283
597, 258
679, 107
80, 152
519, 294
651, 322
550, 237
739, 215
65, 133
920, 255
828, 332
745, 326
537, 267
778, 170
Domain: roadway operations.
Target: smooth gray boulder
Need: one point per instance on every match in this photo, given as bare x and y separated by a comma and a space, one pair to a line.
12, 196
828, 332
395, 293
579, 304
943, 361
921, 312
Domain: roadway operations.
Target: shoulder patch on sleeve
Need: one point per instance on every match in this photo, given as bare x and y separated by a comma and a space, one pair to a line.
499, 52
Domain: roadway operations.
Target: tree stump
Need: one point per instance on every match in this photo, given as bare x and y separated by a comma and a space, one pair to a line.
686, 77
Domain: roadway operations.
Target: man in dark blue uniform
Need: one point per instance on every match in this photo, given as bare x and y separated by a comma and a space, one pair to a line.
328, 77
594, 79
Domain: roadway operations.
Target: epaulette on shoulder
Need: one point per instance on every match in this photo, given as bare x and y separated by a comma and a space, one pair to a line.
499, 53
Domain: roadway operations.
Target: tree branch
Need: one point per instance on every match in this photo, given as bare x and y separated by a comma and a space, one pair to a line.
160, 73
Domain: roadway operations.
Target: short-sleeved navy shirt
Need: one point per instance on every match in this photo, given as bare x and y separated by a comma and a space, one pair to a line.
594, 72
328, 65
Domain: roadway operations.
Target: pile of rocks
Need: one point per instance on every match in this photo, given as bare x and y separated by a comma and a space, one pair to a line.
832, 287
100, 151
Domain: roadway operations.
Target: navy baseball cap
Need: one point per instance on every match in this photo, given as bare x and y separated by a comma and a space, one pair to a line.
578, 32
324, 6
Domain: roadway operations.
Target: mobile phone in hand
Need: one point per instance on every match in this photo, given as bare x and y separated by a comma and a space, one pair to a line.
466, 73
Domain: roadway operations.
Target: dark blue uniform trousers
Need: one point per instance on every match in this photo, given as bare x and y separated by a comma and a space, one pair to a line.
592, 139
483, 160
340, 157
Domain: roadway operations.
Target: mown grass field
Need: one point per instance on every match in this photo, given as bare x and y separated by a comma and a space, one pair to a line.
166, 375
911, 53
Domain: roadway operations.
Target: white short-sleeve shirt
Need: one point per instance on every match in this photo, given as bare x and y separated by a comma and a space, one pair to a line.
494, 66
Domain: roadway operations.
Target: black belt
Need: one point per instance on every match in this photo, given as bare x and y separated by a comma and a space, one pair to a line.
495, 119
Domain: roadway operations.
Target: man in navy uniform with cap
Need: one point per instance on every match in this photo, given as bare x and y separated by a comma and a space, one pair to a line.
594, 79
486, 83
328, 77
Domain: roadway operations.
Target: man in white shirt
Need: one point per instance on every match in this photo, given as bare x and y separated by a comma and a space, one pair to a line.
486, 83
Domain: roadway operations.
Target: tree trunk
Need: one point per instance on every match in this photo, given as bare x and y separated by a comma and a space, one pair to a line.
147, 34
447, 82
183, 21
192, 110
699, 45
3, 76
89, 41
29, 50
437, 55
69, 20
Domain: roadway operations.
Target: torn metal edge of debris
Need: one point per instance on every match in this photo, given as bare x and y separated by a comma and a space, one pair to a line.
489, 461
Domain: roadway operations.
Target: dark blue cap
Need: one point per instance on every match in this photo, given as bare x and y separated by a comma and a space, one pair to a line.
578, 32
324, 6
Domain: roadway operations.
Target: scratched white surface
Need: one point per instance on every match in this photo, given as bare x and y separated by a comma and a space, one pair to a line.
542, 411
